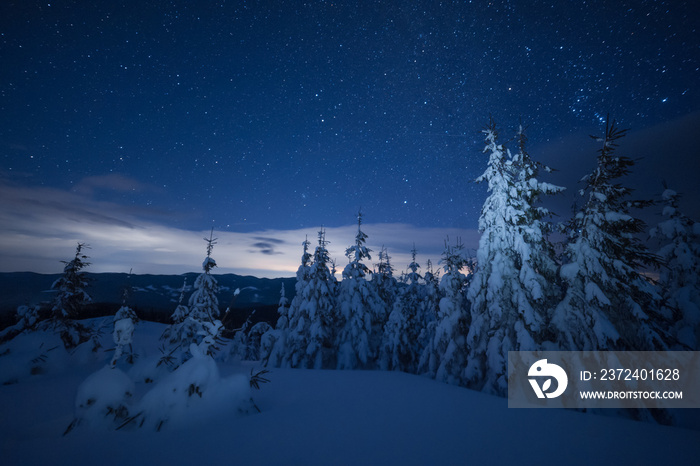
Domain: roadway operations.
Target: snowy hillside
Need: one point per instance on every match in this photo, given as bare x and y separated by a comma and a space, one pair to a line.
317, 417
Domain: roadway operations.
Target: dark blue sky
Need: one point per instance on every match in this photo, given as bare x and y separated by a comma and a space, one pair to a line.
286, 115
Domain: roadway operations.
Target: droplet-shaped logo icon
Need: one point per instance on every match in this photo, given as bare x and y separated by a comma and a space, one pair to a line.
541, 369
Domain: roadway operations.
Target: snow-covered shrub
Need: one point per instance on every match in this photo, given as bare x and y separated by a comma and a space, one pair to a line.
27, 318
253, 348
103, 400
30, 354
194, 392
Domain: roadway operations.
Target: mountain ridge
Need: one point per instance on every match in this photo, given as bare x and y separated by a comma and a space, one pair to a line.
155, 293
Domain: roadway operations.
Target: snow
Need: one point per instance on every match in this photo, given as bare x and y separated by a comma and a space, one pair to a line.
106, 391
320, 417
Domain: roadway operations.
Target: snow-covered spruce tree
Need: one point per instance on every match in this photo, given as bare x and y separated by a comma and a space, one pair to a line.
386, 288
294, 345
360, 307
312, 324
536, 254
679, 279
608, 303
432, 296
384, 280
282, 321
405, 330
177, 331
203, 303
247, 344
445, 354
272, 342
432, 291
71, 297
194, 323
124, 321
514, 288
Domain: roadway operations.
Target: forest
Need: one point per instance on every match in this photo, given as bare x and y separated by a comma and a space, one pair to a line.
602, 289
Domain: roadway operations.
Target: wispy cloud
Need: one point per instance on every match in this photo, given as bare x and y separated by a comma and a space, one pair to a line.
40, 226
110, 182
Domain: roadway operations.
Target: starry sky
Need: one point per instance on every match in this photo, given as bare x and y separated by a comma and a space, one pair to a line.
137, 125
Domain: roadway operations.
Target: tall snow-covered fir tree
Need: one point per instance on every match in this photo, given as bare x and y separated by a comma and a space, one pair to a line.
71, 297
360, 308
311, 334
405, 335
514, 286
538, 260
70, 288
194, 323
203, 303
296, 336
608, 303
679, 279
445, 356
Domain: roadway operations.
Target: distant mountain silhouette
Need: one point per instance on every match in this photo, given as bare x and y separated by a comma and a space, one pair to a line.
156, 296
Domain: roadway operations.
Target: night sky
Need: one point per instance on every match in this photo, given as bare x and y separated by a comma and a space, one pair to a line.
136, 126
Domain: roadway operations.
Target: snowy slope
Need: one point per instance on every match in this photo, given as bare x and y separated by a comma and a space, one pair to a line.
333, 417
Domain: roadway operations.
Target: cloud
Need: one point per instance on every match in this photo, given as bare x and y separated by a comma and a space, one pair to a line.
41, 226
110, 182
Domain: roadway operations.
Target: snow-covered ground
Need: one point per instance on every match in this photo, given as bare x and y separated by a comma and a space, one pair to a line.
311, 417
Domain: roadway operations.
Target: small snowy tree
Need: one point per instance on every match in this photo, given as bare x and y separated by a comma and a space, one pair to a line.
680, 280
70, 299
273, 340
360, 308
609, 304
178, 331
514, 286
282, 321
124, 321
203, 303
